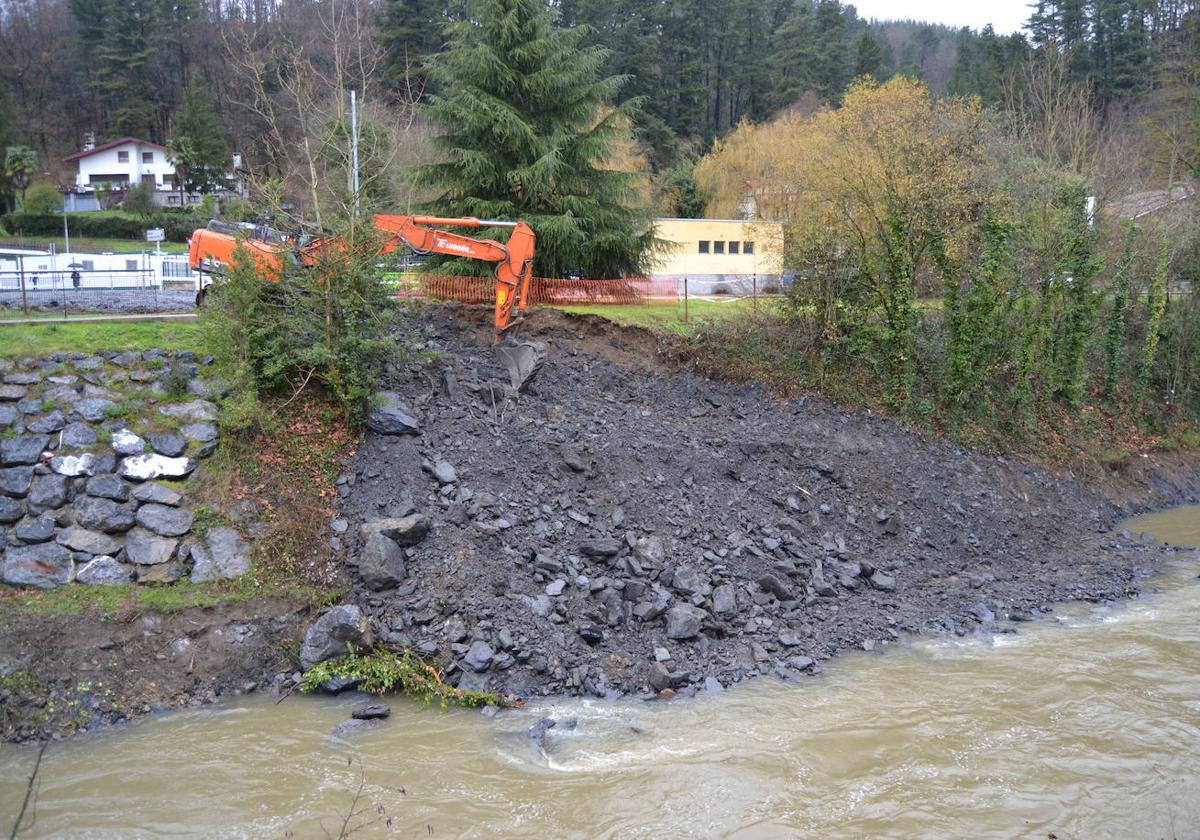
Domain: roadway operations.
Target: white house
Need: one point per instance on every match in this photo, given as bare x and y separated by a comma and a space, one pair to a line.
129, 161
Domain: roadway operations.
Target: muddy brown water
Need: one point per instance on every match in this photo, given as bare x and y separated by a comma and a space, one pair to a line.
1085, 726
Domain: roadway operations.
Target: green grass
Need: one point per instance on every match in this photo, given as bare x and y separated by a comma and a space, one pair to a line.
669, 317
88, 245
95, 337
109, 600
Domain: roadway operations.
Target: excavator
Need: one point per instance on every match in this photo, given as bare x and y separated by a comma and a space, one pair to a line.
212, 250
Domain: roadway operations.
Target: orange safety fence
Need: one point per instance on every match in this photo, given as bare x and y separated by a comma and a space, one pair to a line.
542, 290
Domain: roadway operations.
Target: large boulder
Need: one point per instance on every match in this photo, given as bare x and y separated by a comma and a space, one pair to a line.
147, 549
44, 565
684, 621
381, 562
163, 520
170, 444
405, 530
48, 492
95, 409
194, 410
328, 636
15, 481
10, 510
74, 465
22, 449
157, 493
104, 571
103, 515
89, 542
222, 554
125, 442
146, 467
108, 487
78, 435
389, 415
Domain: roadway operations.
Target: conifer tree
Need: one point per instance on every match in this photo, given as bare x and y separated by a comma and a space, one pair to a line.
196, 144
527, 131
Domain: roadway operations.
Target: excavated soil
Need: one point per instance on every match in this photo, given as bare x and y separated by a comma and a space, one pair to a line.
624, 526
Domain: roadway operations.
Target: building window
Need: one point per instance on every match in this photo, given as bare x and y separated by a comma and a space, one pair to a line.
147, 157
193, 199
733, 246
131, 265
173, 199
718, 247
747, 247
122, 157
88, 265
703, 246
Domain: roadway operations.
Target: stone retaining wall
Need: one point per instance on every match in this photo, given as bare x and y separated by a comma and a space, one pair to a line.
96, 452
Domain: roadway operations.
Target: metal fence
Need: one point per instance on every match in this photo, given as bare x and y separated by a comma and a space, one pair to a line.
79, 290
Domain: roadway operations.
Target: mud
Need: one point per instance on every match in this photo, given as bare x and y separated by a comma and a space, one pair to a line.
624, 526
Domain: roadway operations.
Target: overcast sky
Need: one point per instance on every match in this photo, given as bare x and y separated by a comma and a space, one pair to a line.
1005, 16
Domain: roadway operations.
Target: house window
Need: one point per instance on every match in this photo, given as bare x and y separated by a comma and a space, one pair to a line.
88, 265
193, 199
718, 246
703, 246
733, 246
747, 247
131, 265
122, 157
147, 157
173, 199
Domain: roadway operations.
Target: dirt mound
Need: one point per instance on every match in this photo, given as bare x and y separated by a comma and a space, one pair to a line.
618, 527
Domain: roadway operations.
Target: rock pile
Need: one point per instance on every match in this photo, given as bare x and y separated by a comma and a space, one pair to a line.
87, 439
613, 530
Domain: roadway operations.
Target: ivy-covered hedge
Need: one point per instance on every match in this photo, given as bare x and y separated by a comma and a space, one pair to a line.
177, 226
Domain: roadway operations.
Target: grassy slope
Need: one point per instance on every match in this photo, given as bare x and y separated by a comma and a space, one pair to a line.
86, 245
669, 316
36, 339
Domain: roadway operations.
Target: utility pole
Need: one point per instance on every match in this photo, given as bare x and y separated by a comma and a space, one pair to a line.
354, 149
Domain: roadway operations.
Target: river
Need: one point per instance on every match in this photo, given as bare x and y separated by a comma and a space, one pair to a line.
1082, 726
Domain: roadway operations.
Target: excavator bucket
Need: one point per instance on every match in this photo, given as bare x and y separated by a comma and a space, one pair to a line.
523, 361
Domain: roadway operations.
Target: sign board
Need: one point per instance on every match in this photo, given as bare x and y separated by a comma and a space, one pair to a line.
154, 235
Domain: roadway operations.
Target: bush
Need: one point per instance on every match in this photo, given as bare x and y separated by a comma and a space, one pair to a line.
326, 326
42, 200
177, 226
139, 200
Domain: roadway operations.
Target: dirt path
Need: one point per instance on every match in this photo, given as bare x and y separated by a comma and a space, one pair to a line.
621, 527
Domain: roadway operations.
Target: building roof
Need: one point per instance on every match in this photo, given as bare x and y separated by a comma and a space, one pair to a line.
113, 144
1136, 205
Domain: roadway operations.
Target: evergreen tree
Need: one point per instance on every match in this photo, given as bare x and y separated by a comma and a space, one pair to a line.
199, 149
869, 61
832, 69
410, 32
527, 130
122, 60
793, 57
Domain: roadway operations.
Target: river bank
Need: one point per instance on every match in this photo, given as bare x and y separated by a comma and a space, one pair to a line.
622, 527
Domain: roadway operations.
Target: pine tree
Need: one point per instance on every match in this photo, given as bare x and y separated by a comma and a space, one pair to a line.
526, 129
197, 144
122, 59
870, 57
410, 32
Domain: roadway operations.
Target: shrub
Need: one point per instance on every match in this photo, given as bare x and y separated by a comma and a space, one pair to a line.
42, 200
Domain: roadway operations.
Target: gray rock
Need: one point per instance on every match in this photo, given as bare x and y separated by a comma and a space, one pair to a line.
102, 515
713, 685
11, 393
44, 565
349, 729
336, 685
78, 435
22, 378
8, 414
381, 562
199, 432
52, 422
981, 612
104, 571
170, 445
690, 582
88, 363
146, 467
222, 555
194, 410
125, 442
404, 531
48, 492
372, 711
89, 542
389, 415
556, 587
789, 638
36, 530
14, 481
124, 359
882, 582
146, 549
328, 636
724, 599
442, 470
208, 389
660, 677
600, 548
22, 449
163, 520
801, 663
479, 656
74, 465
159, 573
108, 487
29, 405
822, 586
94, 409
156, 493
684, 621
541, 605
10, 510
651, 550
773, 585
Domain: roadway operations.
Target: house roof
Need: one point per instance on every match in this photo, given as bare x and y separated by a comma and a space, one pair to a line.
113, 144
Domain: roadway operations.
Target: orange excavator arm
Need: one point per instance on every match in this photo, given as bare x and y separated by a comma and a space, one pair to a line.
513, 259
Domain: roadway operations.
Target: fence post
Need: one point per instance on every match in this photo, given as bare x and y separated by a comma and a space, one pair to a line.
21, 275
754, 291
685, 299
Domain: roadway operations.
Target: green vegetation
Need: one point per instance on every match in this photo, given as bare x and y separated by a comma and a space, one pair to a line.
527, 130
383, 670
669, 317
89, 337
197, 148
